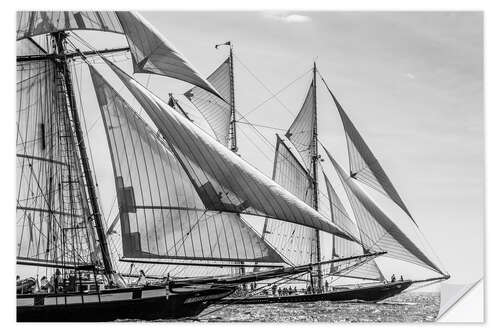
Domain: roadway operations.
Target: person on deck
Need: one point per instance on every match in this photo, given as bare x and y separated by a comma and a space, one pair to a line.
401, 278
273, 289
393, 278
326, 286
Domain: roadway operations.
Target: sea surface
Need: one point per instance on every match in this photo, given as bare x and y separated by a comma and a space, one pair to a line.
409, 307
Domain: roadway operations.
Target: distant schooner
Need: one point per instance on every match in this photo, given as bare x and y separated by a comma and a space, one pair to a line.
181, 192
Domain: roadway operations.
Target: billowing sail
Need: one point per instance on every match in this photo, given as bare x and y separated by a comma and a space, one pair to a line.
51, 210
297, 243
363, 164
224, 181
300, 132
342, 248
161, 213
152, 53
216, 111
35, 23
376, 228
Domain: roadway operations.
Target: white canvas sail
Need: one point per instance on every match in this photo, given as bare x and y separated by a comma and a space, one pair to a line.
51, 211
151, 51
377, 229
342, 248
297, 243
216, 111
223, 180
161, 213
363, 164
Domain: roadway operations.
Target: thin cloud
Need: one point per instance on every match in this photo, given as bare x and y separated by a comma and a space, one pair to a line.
288, 18
410, 76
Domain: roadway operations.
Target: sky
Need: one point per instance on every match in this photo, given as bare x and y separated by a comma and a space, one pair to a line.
412, 83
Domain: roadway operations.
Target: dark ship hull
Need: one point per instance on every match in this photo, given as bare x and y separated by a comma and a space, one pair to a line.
368, 293
148, 303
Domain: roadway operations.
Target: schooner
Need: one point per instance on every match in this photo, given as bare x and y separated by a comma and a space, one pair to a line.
180, 192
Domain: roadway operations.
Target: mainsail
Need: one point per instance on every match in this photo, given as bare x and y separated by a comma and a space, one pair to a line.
377, 229
52, 212
342, 248
224, 181
215, 110
297, 243
161, 213
363, 164
151, 52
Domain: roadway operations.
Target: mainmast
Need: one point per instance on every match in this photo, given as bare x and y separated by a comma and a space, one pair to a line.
314, 167
232, 122
63, 69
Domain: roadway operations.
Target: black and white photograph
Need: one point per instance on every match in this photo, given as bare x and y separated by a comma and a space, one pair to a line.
270, 166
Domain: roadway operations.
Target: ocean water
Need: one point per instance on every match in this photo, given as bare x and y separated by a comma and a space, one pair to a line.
409, 307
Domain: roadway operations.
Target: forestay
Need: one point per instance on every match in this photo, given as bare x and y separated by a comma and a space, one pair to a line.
376, 228
216, 111
161, 213
51, 211
363, 164
342, 248
223, 180
297, 243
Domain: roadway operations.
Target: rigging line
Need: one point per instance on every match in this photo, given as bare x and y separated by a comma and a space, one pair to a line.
274, 95
263, 126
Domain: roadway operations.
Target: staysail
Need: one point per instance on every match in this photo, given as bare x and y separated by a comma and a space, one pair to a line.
151, 52
363, 164
297, 243
224, 181
300, 132
161, 213
215, 110
342, 248
377, 229
51, 211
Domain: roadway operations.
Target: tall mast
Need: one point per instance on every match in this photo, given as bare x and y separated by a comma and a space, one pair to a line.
314, 162
232, 121
63, 68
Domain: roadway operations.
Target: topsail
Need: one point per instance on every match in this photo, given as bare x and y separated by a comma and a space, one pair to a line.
223, 181
151, 52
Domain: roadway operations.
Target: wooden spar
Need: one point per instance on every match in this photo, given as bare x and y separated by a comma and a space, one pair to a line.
203, 264
314, 175
62, 66
70, 55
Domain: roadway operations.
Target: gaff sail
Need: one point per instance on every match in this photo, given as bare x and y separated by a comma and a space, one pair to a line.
342, 248
224, 181
296, 242
216, 111
161, 214
364, 166
376, 228
151, 52
51, 209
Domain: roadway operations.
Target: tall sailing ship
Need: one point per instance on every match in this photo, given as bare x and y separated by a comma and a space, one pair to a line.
182, 193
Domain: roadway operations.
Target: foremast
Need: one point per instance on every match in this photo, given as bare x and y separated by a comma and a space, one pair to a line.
63, 68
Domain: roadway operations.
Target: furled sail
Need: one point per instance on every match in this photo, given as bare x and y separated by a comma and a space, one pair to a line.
216, 111
154, 54
376, 228
297, 243
51, 208
161, 213
363, 164
151, 52
300, 132
224, 181
342, 248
